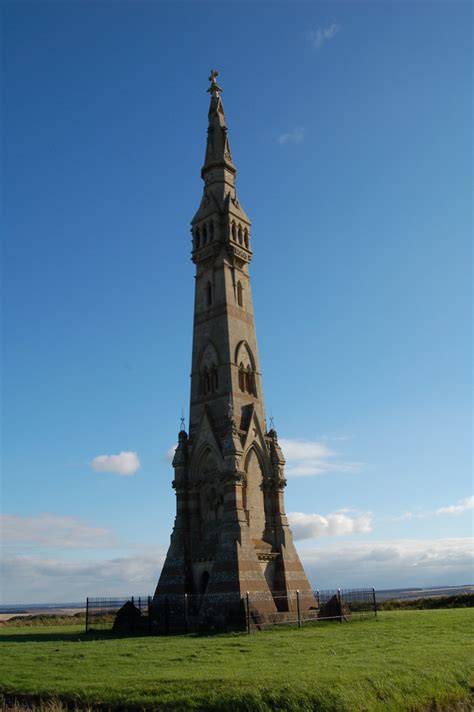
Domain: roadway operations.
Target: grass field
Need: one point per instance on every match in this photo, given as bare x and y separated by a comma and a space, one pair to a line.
407, 660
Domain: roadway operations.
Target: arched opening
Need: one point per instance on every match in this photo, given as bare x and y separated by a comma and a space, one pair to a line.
204, 234
254, 497
208, 294
242, 377
214, 378
197, 238
211, 231
240, 235
205, 576
234, 236
206, 380
246, 369
240, 299
246, 239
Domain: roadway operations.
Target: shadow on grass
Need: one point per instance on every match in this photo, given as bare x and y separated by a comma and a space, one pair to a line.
38, 636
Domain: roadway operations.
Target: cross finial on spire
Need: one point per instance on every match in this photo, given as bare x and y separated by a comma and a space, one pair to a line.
214, 89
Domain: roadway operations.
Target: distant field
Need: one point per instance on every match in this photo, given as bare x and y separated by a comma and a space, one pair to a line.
408, 660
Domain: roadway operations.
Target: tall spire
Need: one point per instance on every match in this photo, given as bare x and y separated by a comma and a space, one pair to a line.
217, 149
230, 534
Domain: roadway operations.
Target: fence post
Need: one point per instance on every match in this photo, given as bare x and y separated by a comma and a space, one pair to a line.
185, 612
247, 598
298, 607
375, 602
339, 596
87, 614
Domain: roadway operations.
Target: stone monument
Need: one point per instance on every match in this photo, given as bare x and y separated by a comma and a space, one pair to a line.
231, 534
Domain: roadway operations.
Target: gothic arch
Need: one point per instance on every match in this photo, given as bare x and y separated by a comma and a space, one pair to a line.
208, 370
209, 354
254, 448
243, 353
206, 460
253, 497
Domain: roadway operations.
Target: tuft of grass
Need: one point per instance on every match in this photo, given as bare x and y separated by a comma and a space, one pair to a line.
464, 600
407, 660
43, 619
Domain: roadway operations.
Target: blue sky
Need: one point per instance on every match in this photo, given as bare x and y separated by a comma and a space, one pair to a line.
350, 125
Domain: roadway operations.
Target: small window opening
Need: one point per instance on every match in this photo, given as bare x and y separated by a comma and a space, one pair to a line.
211, 231
208, 294
214, 378
240, 299
246, 239
204, 235
240, 235
234, 237
242, 377
197, 237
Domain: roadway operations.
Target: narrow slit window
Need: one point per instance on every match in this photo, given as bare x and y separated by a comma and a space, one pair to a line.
240, 297
208, 294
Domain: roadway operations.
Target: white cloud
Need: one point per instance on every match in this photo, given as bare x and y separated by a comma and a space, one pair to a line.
321, 35
395, 563
51, 530
462, 506
29, 579
170, 453
307, 457
296, 135
125, 463
339, 523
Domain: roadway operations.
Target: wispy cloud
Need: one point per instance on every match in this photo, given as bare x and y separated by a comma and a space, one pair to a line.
321, 35
124, 463
306, 458
339, 523
30, 578
295, 135
392, 563
463, 505
51, 530
169, 455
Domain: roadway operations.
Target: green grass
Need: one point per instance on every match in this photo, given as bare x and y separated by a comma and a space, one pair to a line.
408, 660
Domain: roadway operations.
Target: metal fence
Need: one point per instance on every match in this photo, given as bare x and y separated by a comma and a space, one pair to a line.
194, 613
126, 615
